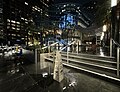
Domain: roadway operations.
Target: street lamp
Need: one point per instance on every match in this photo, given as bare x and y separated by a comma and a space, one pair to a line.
104, 28
113, 3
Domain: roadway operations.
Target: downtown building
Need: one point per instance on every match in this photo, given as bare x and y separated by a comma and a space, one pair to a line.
21, 21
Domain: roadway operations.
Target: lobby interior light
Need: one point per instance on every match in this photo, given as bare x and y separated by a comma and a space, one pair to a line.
80, 24
38, 32
104, 28
113, 3
26, 3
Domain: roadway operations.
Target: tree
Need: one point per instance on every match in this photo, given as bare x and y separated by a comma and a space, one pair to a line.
103, 12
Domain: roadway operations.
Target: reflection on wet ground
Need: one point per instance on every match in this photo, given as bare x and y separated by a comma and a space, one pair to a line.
75, 81
14, 80
28, 78
21, 81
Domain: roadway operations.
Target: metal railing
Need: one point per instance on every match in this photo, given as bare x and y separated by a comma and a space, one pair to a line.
38, 51
62, 50
49, 46
112, 41
67, 49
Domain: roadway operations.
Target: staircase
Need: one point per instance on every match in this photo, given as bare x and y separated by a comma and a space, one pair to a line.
103, 66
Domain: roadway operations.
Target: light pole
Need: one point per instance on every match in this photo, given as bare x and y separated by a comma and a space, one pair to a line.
113, 4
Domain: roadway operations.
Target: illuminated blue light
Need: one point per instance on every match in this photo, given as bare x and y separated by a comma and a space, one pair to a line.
66, 21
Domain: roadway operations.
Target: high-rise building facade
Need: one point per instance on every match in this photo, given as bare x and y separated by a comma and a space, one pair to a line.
1, 20
22, 20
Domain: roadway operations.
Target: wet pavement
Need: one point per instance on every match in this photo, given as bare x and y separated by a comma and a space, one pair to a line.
76, 81
29, 78
14, 80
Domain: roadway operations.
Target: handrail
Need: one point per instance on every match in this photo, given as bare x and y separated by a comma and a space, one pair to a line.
49, 45
67, 49
36, 53
66, 46
118, 56
118, 61
116, 43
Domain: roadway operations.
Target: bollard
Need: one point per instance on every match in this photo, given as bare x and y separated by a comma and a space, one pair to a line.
58, 74
36, 59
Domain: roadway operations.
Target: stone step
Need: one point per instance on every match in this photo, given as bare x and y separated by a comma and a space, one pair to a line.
108, 58
89, 61
92, 61
102, 71
92, 66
